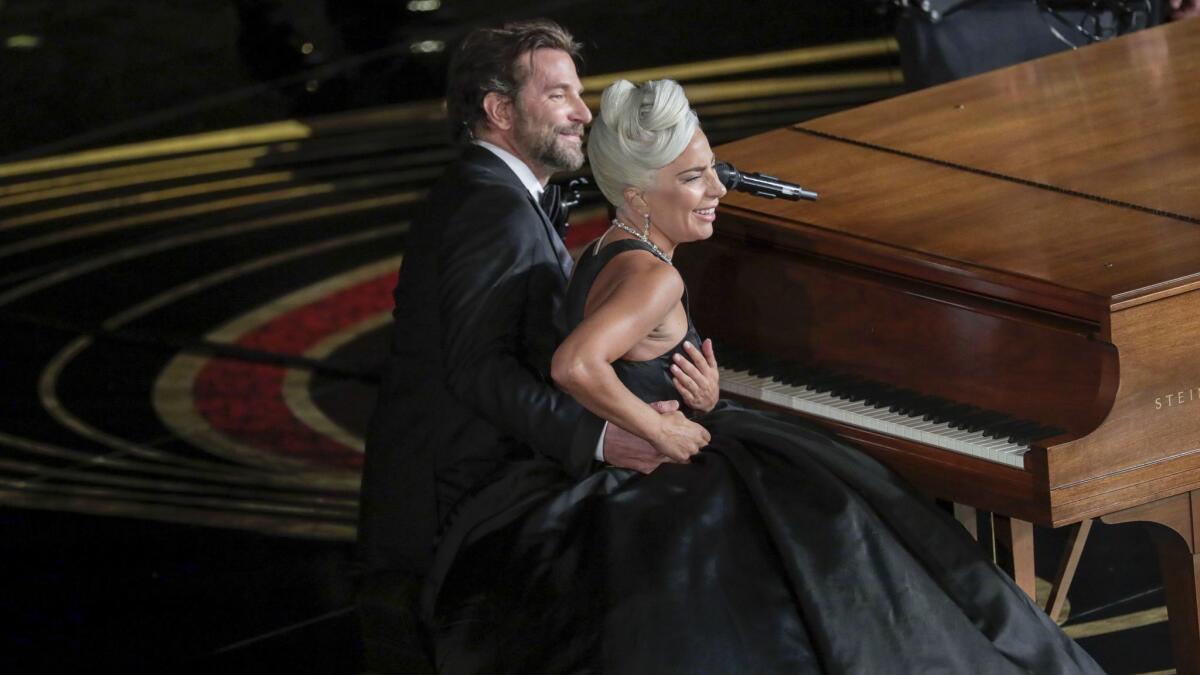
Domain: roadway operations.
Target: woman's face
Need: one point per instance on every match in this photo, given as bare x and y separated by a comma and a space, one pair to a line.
683, 198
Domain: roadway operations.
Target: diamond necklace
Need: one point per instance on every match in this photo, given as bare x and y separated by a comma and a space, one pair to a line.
644, 239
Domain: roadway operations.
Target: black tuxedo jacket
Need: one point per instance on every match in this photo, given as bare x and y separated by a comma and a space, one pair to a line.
466, 387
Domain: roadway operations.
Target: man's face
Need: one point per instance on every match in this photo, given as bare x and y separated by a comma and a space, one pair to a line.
549, 115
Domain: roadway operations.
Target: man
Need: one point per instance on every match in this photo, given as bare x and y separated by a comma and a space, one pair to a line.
975, 37
466, 388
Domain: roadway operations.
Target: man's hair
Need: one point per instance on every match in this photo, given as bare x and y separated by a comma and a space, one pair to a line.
489, 60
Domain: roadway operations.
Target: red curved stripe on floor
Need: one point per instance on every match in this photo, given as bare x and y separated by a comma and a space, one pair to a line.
245, 401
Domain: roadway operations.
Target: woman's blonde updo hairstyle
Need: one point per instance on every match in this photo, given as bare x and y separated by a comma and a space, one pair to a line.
640, 130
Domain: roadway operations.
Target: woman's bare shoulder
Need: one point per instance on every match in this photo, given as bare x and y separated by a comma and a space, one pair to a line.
641, 266
636, 275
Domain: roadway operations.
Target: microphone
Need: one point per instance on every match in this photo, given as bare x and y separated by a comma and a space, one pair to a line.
760, 185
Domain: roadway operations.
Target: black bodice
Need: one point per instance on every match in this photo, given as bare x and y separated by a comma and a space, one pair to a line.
649, 380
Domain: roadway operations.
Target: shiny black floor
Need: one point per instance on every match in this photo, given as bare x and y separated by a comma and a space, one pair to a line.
91, 594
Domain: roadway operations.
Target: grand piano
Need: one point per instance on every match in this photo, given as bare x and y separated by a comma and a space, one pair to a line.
998, 293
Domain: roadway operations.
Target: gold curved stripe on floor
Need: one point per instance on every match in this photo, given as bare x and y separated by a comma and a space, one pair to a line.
149, 197
274, 132
1116, 624
107, 501
119, 461
48, 396
173, 392
300, 527
297, 383
206, 208
120, 176
251, 506
77, 184
214, 187
736, 65
335, 506
258, 134
209, 207
48, 382
230, 273
148, 248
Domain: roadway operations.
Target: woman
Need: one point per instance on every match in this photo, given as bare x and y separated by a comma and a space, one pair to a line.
768, 547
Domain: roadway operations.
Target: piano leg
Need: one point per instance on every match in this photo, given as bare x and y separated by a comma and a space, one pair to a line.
1066, 569
1177, 557
1017, 536
968, 518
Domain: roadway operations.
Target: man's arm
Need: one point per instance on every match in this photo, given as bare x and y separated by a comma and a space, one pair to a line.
488, 256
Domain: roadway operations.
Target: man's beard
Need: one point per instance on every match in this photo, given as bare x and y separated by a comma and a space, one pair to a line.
547, 145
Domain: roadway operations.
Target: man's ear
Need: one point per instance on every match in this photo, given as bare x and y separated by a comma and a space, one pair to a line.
499, 110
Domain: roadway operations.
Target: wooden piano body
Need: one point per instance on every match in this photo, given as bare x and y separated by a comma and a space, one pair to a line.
1026, 241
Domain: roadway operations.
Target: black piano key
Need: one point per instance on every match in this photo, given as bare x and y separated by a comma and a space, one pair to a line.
760, 366
821, 382
850, 389
943, 410
936, 411
957, 415
909, 404
1019, 432
902, 402
1040, 433
878, 394
983, 419
791, 372
1003, 427
730, 356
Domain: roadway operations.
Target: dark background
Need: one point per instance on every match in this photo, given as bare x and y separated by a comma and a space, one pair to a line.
107, 71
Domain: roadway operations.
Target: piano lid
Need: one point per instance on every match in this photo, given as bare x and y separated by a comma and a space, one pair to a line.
1072, 181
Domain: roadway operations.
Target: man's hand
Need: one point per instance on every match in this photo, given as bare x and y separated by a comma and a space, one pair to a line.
1185, 9
627, 451
697, 380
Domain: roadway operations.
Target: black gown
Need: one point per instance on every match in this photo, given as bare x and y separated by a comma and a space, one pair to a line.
778, 549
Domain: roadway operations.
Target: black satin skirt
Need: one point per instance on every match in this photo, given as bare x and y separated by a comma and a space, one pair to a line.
778, 549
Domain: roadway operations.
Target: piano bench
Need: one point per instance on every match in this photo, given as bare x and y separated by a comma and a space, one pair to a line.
392, 634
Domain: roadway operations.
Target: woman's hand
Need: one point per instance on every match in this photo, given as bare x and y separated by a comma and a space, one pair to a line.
697, 380
679, 438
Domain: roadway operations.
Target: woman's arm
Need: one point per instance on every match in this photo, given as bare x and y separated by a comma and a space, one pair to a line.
643, 294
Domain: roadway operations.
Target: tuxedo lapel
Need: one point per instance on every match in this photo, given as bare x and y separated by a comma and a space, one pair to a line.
484, 158
565, 263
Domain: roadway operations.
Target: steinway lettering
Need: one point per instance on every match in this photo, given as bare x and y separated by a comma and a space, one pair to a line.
1177, 398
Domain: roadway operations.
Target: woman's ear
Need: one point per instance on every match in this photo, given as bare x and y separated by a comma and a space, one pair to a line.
499, 110
636, 199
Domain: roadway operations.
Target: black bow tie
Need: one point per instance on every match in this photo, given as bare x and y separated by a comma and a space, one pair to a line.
551, 201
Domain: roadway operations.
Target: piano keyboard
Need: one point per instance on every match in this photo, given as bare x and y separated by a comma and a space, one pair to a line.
869, 405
